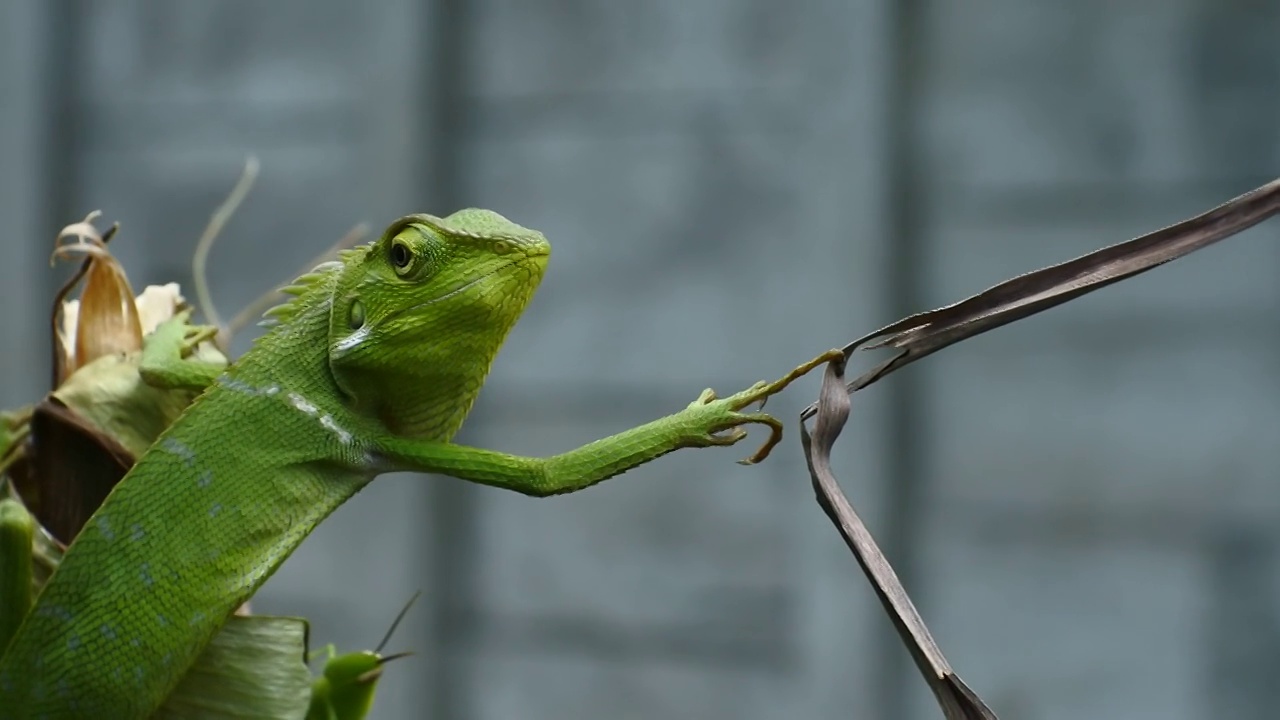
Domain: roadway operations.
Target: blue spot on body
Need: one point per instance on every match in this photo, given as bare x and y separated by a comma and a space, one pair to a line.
213, 511
162, 620
233, 384
136, 642
138, 673
63, 688
179, 448
73, 642
167, 659
145, 573
108, 632
136, 532
104, 527
205, 479
197, 618
119, 674
54, 611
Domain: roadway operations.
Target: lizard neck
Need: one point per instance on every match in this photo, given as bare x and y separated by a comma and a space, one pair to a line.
424, 389
293, 356
412, 387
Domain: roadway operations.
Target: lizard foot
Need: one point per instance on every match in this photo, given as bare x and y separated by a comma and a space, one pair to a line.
195, 335
177, 334
727, 422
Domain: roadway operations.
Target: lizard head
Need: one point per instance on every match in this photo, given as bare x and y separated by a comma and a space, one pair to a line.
419, 315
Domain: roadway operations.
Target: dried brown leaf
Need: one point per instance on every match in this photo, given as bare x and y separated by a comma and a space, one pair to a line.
926, 333
105, 321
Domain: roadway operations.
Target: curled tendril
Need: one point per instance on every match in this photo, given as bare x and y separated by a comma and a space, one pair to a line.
87, 239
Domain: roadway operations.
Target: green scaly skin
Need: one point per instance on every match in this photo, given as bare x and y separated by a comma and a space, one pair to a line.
371, 368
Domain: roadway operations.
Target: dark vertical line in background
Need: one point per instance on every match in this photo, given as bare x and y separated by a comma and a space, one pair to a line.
1240, 623
907, 204
61, 138
453, 506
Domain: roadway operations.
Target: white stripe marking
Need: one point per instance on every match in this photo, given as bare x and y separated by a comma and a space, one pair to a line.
352, 340
329, 424
302, 404
326, 421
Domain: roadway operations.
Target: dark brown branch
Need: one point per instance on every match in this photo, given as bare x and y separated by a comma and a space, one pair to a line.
926, 333
1025, 295
955, 698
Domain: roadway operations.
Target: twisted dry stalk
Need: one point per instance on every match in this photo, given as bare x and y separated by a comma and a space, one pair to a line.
926, 333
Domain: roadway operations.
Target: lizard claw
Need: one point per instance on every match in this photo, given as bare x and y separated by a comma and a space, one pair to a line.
196, 335
705, 398
759, 392
775, 437
192, 335
728, 437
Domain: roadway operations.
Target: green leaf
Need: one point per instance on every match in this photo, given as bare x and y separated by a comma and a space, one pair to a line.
253, 668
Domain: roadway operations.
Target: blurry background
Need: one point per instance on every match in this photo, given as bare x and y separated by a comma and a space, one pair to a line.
1083, 505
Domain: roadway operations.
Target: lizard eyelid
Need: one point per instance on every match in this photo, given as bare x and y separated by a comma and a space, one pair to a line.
401, 255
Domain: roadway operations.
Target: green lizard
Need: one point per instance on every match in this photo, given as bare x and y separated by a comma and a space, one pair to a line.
370, 368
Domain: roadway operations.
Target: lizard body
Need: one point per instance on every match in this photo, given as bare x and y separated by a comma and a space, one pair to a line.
372, 368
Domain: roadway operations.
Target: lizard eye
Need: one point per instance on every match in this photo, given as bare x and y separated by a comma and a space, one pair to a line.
501, 247
401, 255
356, 320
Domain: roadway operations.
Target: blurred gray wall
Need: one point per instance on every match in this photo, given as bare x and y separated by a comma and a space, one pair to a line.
1083, 505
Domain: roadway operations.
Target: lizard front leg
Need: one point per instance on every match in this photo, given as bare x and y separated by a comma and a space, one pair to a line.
708, 421
168, 358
